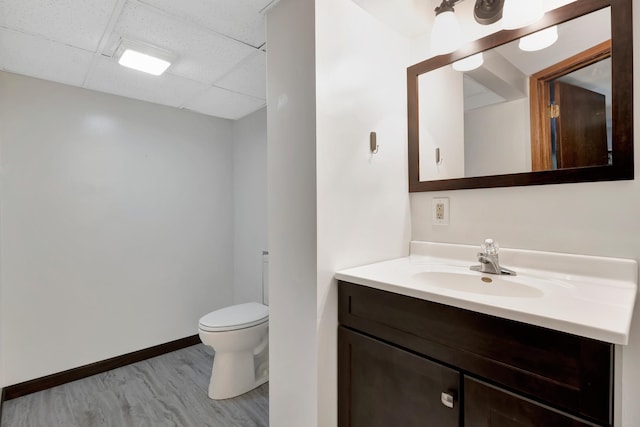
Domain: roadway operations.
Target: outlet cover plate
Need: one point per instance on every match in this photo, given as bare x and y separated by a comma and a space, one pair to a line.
440, 209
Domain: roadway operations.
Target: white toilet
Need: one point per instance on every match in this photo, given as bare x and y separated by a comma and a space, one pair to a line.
239, 336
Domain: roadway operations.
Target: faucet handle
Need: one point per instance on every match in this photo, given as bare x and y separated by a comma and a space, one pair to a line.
490, 247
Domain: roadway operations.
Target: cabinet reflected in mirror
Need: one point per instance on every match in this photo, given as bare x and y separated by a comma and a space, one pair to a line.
560, 114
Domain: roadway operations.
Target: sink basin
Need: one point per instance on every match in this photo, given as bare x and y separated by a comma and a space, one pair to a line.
486, 284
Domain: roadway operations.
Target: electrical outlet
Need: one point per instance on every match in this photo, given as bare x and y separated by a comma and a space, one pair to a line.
440, 211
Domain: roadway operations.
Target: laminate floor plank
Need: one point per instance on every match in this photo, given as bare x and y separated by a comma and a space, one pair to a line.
165, 391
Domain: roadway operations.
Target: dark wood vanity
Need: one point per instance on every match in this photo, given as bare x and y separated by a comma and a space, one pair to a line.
407, 362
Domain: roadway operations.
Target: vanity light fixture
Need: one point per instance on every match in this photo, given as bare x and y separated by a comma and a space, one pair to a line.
539, 40
469, 63
143, 57
446, 34
520, 13
486, 12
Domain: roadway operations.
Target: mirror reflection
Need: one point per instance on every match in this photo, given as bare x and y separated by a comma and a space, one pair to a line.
521, 111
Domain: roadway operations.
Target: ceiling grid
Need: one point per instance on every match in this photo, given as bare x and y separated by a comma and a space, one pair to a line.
219, 47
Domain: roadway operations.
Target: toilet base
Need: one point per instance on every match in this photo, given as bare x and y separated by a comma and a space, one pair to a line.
236, 373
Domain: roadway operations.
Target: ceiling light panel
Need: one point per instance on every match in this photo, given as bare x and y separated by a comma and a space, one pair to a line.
202, 55
238, 19
143, 62
144, 57
76, 23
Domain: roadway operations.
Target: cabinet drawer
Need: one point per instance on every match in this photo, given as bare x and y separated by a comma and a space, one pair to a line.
489, 406
381, 385
565, 371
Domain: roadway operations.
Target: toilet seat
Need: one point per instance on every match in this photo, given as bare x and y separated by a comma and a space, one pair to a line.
235, 317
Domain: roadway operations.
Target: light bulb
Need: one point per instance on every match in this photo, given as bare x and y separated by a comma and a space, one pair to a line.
446, 35
520, 13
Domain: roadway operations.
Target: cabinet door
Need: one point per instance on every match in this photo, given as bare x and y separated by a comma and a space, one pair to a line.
380, 385
489, 406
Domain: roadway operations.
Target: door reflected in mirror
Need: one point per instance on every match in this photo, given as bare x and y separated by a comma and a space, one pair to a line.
497, 111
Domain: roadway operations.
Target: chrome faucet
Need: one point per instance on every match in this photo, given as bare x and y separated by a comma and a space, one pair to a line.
489, 261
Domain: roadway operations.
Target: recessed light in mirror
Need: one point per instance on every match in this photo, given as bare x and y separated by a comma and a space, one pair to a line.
539, 40
469, 63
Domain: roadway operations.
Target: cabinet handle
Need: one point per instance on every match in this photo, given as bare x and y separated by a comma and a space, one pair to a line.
447, 399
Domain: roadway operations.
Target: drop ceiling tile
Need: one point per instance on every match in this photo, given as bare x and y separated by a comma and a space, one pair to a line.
78, 23
201, 55
223, 103
249, 77
108, 76
239, 19
41, 58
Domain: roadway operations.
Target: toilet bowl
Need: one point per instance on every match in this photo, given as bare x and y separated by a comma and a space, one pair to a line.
239, 335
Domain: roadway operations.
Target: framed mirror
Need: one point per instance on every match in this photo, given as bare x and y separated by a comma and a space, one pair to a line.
522, 118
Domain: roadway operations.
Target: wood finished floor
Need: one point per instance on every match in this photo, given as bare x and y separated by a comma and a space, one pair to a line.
165, 391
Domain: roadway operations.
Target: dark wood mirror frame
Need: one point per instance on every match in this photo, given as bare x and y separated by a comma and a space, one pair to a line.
622, 90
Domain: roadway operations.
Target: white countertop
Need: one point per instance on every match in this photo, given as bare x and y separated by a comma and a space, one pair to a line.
583, 295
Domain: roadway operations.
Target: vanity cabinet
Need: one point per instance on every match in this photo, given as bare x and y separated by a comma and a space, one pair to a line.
389, 386
411, 362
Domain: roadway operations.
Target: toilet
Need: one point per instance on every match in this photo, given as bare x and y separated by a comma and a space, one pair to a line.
239, 335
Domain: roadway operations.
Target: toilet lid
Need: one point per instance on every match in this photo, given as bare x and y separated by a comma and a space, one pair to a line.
235, 317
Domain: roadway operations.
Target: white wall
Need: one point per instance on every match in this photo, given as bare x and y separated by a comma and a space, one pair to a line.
497, 139
441, 124
589, 218
250, 205
116, 224
363, 204
331, 203
292, 214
